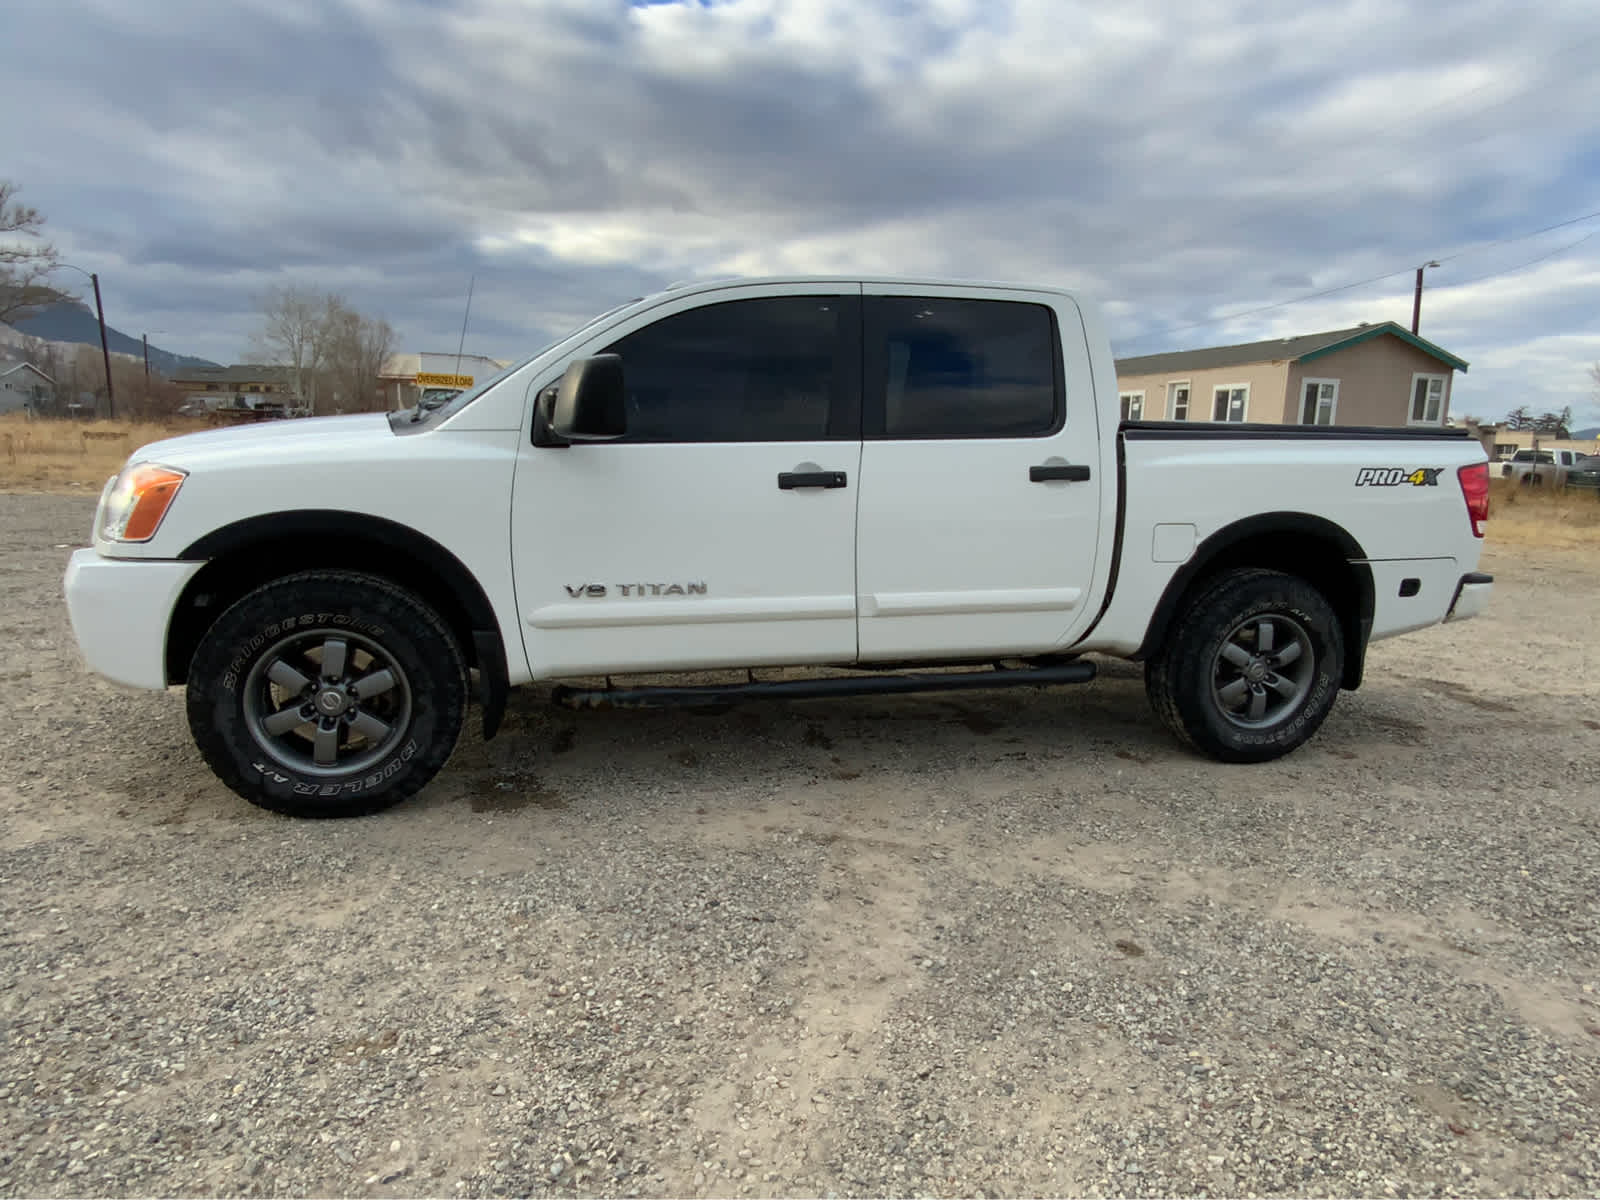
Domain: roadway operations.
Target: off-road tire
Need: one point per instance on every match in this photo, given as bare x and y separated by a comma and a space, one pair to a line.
233, 692
1181, 679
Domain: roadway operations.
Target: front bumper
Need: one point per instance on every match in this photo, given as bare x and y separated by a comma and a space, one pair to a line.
1472, 596
120, 609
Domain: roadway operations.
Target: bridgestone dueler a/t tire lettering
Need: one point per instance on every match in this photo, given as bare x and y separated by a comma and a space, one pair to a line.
1180, 678
379, 625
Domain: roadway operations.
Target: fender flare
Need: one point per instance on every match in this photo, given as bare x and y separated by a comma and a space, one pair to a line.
1216, 550
450, 577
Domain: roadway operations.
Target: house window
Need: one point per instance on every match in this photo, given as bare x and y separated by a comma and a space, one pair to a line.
1231, 403
1504, 449
1178, 401
1318, 400
1132, 406
1427, 399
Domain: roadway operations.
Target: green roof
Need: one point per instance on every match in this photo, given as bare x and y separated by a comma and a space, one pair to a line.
1300, 349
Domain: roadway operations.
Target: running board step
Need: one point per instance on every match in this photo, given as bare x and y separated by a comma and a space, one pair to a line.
820, 689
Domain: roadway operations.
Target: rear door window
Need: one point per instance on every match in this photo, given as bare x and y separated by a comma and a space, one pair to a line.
942, 367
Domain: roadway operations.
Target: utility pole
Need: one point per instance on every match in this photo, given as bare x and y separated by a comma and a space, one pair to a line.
145, 338
105, 352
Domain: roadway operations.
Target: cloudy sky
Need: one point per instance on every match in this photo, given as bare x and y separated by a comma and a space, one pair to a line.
1185, 162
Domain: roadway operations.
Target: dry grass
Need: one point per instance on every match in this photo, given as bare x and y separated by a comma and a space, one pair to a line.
1543, 516
71, 456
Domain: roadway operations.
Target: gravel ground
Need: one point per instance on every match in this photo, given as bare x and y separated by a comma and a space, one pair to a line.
1014, 943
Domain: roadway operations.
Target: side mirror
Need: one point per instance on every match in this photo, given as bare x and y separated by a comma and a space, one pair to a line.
588, 403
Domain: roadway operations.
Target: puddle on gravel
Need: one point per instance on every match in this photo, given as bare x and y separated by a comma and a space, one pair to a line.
979, 722
814, 736
492, 795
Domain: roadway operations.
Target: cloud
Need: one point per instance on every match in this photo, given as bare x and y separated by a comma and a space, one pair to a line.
1177, 162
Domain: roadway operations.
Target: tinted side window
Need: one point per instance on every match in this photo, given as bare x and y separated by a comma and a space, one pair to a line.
776, 369
955, 368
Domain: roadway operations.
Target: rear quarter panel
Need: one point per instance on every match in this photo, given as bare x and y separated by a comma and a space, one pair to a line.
1398, 498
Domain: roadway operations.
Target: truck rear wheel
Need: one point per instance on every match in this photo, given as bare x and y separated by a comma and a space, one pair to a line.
1251, 669
327, 694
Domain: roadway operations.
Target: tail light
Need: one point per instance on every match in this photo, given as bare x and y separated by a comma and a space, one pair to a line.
1475, 491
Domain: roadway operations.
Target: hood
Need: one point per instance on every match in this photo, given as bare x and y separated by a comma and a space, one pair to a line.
265, 437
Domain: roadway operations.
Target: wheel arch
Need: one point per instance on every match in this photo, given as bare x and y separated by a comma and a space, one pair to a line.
1318, 550
245, 554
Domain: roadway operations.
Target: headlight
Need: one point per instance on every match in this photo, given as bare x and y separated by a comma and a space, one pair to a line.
137, 499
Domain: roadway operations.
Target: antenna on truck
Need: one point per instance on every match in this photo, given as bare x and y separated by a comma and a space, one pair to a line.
464, 316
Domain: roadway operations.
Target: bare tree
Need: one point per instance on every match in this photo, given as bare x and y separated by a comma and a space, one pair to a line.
355, 348
293, 325
25, 259
1554, 424
333, 352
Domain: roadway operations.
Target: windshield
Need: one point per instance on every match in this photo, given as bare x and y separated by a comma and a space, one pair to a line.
439, 411
1530, 456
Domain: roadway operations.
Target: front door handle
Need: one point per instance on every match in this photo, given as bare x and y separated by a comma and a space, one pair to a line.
789, 480
1048, 472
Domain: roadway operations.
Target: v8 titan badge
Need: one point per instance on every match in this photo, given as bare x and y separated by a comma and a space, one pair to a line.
1395, 476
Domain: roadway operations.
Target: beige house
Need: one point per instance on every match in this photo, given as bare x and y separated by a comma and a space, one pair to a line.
1370, 375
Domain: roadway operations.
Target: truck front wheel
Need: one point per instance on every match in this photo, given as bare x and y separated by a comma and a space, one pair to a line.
1251, 668
327, 694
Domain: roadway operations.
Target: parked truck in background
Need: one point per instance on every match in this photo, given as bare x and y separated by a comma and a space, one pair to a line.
1540, 467
876, 475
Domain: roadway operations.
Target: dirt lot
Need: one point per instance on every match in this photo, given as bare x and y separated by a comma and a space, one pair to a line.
1011, 943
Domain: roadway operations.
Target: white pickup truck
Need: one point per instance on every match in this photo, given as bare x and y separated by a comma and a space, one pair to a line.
869, 475
1540, 467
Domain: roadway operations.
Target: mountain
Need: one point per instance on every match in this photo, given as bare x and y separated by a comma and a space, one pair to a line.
1584, 435
76, 322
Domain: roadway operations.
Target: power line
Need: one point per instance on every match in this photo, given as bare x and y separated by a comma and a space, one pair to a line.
1411, 124
1529, 263
1250, 312
1521, 237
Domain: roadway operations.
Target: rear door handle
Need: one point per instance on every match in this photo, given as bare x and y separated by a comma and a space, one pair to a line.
1071, 473
789, 480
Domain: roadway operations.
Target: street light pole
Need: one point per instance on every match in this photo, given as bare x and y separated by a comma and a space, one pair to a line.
1416, 301
105, 350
